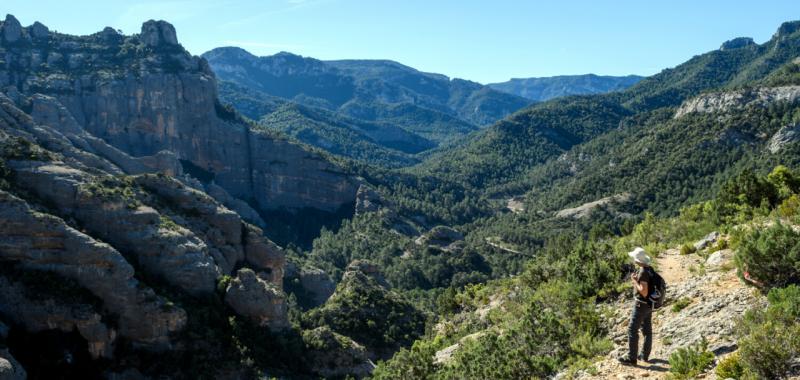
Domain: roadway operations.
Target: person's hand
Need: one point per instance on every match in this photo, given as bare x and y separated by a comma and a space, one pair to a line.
634, 278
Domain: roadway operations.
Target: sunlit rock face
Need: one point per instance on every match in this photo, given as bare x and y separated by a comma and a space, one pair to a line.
144, 94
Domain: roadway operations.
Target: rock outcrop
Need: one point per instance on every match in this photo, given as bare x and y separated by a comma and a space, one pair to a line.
10, 369
12, 30
440, 236
316, 282
368, 268
334, 355
36, 314
37, 241
255, 298
737, 43
157, 33
368, 200
586, 209
786, 135
145, 94
739, 99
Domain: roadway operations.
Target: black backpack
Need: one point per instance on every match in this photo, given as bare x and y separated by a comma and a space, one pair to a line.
658, 289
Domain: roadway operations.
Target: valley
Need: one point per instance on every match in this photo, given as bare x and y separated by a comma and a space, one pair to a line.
229, 215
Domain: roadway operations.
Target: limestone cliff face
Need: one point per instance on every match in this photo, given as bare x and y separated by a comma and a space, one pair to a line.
739, 99
144, 94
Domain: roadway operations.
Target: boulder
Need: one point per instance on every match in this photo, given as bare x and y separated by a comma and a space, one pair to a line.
709, 239
12, 29
718, 258
252, 297
10, 369
157, 33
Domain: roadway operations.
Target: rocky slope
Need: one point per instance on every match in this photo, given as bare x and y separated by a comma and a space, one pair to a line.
131, 203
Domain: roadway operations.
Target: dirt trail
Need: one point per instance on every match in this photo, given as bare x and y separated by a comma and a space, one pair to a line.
715, 296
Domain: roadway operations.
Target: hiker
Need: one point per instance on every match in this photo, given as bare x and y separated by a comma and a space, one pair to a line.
642, 309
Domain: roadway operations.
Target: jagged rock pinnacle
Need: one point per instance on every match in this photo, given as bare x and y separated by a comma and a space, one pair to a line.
39, 30
12, 29
156, 33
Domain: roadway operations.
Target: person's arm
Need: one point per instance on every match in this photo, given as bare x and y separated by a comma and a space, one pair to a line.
640, 286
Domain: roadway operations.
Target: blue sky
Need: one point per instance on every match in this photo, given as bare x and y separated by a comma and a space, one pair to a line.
485, 41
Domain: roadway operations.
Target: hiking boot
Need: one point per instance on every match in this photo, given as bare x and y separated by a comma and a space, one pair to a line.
627, 360
644, 359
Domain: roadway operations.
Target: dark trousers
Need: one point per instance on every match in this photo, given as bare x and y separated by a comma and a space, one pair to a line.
641, 318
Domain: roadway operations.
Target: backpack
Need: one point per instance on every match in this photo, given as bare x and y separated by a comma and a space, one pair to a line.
658, 289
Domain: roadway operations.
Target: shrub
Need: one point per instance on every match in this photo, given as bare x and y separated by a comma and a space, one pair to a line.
681, 304
688, 362
784, 180
771, 255
687, 249
730, 367
770, 338
789, 207
742, 195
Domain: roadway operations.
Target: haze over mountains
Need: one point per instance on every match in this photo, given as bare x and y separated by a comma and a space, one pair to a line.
164, 215
546, 88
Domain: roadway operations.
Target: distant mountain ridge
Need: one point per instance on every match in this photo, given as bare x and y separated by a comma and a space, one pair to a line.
351, 86
422, 110
545, 88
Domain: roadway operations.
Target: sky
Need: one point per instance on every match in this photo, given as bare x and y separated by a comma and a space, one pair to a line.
485, 41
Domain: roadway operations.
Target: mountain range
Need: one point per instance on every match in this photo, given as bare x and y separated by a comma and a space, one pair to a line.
546, 88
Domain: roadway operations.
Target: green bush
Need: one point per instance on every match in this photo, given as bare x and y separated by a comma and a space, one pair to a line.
771, 255
770, 338
741, 196
688, 362
789, 207
687, 249
681, 304
730, 367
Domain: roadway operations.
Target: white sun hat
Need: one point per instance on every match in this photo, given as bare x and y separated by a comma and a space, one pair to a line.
640, 256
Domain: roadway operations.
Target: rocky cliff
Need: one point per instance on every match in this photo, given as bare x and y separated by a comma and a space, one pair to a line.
130, 209
739, 99
144, 94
